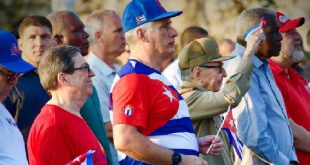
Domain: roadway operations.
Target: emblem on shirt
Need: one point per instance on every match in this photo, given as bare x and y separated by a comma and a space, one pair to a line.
168, 94
11, 122
128, 110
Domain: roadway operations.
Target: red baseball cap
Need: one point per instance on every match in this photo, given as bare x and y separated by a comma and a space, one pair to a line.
287, 24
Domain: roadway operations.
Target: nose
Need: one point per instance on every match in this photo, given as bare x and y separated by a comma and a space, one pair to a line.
38, 42
173, 32
278, 36
85, 34
91, 73
224, 74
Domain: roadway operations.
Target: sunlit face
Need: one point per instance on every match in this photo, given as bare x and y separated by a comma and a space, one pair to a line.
291, 45
7, 80
210, 76
113, 36
33, 42
80, 80
74, 34
272, 45
162, 37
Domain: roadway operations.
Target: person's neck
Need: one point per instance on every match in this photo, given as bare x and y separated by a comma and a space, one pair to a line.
107, 58
147, 58
67, 102
282, 61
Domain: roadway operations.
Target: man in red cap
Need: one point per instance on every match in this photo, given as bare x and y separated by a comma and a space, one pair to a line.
294, 88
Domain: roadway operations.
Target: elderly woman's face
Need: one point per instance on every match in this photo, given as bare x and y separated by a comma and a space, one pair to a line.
80, 79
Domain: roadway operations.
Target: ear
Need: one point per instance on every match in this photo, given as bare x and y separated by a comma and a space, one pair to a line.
59, 39
142, 35
20, 44
62, 79
196, 74
98, 36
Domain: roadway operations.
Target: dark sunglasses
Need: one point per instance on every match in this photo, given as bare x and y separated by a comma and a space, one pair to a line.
10, 77
220, 67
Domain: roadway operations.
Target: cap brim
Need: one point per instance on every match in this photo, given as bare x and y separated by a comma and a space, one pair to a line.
169, 14
292, 24
222, 58
18, 66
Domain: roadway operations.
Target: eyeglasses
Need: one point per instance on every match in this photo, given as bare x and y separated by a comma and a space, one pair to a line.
10, 77
220, 67
84, 68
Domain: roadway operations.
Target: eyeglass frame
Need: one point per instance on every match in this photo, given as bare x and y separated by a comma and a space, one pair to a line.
221, 69
86, 67
10, 77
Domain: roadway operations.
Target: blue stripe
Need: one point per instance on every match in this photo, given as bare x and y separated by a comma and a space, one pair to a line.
140, 68
130, 161
175, 126
250, 30
233, 142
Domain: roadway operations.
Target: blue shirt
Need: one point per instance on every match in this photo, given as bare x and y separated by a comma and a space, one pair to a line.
261, 117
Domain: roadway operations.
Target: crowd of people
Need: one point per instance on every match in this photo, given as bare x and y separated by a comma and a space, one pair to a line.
69, 88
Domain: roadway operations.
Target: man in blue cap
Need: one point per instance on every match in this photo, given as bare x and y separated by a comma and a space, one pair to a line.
12, 147
151, 123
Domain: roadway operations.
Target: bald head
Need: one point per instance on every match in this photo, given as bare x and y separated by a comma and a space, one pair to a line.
191, 33
68, 29
226, 46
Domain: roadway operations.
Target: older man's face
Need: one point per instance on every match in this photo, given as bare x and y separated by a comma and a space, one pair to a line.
272, 45
162, 36
291, 45
7, 81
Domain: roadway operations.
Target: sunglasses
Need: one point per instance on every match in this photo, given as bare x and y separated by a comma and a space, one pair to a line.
220, 67
10, 77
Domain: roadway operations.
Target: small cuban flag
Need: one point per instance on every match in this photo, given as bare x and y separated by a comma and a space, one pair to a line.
140, 19
84, 159
231, 130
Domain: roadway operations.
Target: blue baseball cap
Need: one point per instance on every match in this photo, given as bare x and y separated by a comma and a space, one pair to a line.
10, 55
139, 12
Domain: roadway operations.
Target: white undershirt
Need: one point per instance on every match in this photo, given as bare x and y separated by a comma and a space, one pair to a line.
12, 146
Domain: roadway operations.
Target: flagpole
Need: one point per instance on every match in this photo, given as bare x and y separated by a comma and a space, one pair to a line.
218, 131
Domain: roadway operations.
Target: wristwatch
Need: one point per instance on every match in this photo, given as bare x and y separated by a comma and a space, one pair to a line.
176, 158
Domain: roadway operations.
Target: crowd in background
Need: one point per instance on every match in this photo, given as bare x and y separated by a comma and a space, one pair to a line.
110, 87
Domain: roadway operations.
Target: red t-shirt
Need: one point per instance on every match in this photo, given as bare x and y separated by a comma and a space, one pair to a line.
57, 137
296, 95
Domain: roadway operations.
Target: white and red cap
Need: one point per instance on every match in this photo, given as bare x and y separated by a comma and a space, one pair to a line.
287, 24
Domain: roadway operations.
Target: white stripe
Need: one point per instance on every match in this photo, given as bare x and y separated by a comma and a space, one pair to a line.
163, 79
176, 141
116, 78
182, 111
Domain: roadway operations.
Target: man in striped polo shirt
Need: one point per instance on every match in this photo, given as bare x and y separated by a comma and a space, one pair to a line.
151, 123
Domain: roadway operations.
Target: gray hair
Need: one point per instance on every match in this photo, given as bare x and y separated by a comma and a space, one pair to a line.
251, 17
55, 60
131, 37
95, 22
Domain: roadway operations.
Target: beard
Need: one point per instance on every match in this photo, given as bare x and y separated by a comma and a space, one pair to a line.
297, 56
